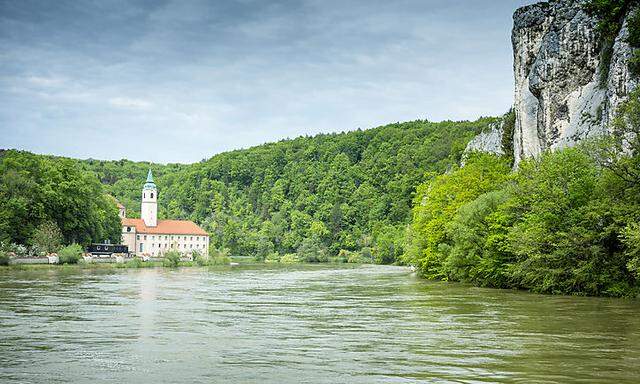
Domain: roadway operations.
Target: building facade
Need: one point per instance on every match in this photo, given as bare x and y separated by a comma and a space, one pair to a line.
150, 237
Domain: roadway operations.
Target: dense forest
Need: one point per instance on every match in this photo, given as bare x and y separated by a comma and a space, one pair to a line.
346, 194
349, 191
42, 193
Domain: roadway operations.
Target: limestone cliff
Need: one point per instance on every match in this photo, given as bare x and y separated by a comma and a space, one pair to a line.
489, 141
561, 94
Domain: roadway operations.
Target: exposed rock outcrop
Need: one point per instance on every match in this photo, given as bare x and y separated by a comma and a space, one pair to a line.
559, 95
489, 141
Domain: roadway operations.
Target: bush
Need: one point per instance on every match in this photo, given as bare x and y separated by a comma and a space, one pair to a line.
136, 262
362, 257
200, 259
634, 63
219, 256
273, 257
4, 258
343, 256
311, 251
290, 258
171, 259
70, 254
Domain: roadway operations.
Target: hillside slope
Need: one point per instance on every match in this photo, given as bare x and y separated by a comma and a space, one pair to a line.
345, 191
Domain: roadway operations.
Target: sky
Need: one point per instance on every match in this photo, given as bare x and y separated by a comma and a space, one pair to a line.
179, 81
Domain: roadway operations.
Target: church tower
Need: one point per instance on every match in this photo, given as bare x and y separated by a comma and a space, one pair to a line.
149, 209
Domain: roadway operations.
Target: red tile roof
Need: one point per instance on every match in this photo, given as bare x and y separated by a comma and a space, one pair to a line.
166, 227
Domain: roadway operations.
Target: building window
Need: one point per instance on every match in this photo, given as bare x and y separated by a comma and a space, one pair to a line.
141, 248
138, 237
128, 229
191, 238
145, 237
185, 237
152, 195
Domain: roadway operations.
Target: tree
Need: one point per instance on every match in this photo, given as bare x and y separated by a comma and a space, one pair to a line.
311, 251
47, 237
438, 201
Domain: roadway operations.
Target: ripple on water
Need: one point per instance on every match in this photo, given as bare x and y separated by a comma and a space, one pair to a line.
321, 324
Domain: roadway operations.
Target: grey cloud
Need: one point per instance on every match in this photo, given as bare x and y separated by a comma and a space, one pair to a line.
182, 80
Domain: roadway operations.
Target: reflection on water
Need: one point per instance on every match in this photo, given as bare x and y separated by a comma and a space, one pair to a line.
319, 324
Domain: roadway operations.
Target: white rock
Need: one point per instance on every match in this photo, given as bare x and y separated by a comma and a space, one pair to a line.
559, 99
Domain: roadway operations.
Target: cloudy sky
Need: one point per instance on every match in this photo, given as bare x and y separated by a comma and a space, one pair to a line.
179, 81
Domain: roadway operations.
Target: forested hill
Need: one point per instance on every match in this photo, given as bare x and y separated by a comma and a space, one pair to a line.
345, 191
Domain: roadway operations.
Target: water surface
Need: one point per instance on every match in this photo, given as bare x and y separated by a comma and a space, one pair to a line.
302, 324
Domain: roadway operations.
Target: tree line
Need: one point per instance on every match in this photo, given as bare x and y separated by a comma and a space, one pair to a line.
565, 222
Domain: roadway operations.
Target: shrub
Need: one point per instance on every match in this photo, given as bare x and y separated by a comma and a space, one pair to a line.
362, 257
136, 262
219, 256
171, 259
631, 239
70, 254
290, 258
4, 258
311, 251
343, 256
273, 257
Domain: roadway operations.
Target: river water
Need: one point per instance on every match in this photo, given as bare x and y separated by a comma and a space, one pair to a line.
302, 324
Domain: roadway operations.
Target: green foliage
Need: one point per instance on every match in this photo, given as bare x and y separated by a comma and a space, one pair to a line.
273, 257
476, 250
334, 188
438, 201
634, 29
70, 254
136, 262
631, 239
312, 251
219, 256
508, 129
171, 259
634, 63
4, 258
47, 237
37, 189
565, 222
342, 257
290, 258
565, 235
610, 15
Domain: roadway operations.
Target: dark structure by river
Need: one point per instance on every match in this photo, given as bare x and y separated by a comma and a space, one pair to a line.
315, 324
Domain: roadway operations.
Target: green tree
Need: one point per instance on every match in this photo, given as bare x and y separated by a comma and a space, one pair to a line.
47, 237
438, 201
312, 251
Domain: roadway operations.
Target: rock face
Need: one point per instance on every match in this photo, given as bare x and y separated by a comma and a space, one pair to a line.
490, 141
559, 95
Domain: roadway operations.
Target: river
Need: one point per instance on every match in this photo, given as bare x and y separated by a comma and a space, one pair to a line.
302, 324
